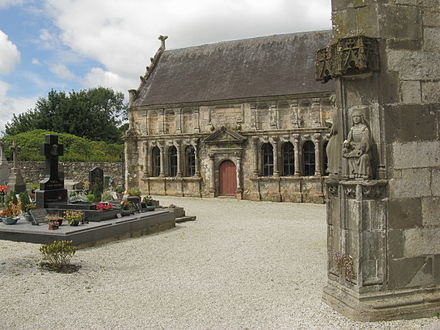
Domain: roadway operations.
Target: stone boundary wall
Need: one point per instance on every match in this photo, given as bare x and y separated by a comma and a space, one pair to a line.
34, 171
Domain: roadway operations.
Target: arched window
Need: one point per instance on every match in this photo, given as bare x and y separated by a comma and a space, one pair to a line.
155, 161
172, 161
325, 159
190, 161
267, 159
288, 159
309, 158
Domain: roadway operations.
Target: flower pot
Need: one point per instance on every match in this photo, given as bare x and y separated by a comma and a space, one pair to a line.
150, 207
74, 224
9, 220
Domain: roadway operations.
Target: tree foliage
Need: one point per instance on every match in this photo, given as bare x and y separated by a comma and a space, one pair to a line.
94, 114
76, 149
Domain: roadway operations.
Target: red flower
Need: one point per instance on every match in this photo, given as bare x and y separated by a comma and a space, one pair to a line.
103, 206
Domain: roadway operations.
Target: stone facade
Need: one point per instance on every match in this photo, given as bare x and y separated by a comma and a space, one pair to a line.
235, 119
34, 172
384, 231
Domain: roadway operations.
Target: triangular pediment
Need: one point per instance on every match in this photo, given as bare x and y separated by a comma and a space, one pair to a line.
224, 135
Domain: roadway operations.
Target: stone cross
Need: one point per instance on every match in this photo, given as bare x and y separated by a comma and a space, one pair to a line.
15, 149
52, 150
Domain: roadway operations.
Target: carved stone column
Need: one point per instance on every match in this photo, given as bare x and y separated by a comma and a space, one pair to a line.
254, 117
297, 152
162, 160
239, 187
179, 160
255, 156
273, 116
318, 165
212, 179
147, 162
178, 121
195, 144
196, 122
294, 113
276, 167
161, 121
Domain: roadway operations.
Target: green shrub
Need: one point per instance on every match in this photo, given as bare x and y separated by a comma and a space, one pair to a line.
24, 201
134, 192
76, 149
58, 253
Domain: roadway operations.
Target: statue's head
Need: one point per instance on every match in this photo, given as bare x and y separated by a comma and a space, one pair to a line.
358, 114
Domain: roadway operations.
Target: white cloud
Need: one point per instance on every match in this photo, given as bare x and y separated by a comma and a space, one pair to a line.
97, 77
36, 61
47, 40
10, 105
9, 54
122, 36
61, 71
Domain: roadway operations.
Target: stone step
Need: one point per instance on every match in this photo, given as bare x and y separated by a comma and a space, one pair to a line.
185, 219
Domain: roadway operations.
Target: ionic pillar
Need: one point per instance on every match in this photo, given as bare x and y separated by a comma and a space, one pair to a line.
317, 142
179, 163
276, 170
297, 154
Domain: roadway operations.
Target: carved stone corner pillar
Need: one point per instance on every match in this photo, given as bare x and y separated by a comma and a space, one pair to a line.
239, 192
318, 166
196, 120
294, 114
161, 121
254, 117
197, 159
297, 152
178, 120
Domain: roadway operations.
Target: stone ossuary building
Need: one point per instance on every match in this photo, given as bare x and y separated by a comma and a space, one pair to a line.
240, 118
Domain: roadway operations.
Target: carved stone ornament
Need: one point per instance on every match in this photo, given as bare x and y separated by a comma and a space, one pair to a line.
347, 57
333, 190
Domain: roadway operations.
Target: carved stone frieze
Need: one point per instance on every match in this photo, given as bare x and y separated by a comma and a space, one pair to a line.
347, 57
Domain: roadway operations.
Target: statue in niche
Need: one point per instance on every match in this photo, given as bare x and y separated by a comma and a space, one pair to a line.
333, 149
357, 147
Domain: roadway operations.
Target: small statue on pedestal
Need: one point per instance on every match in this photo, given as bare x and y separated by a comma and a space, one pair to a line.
357, 147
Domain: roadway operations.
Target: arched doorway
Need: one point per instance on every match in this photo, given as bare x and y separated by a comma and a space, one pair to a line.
227, 179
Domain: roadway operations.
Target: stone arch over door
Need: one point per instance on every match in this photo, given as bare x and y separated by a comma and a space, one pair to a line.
227, 178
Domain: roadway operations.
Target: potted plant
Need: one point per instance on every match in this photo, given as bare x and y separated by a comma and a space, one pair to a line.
73, 218
7, 216
126, 208
119, 192
54, 221
102, 206
149, 203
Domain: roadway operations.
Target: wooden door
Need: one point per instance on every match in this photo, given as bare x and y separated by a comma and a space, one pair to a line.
228, 179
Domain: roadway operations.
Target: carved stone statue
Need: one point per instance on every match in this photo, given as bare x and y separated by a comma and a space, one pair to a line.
357, 146
334, 149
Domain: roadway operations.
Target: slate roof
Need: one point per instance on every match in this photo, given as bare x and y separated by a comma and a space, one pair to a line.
265, 66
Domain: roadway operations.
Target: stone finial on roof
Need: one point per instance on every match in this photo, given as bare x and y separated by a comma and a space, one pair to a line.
162, 40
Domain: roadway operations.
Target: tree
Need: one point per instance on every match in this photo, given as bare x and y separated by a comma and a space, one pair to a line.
95, 114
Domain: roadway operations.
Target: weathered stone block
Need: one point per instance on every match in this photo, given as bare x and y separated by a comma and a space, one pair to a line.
406, 123
420, 241
435, 185
429, 3
416, 154
405, 272
431, 39
400, 22
431, 211
413, 65
395, 243
411, 183
431, 18
373, 215
410, 92
405, 213
430, 91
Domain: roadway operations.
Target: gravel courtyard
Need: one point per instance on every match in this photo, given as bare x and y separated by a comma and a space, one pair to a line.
241, 265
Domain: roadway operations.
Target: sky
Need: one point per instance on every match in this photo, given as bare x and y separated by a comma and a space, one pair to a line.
78, 44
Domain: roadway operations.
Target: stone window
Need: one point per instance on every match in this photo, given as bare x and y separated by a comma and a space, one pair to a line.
172, 161
308, 158
190, 161
288, 159
324, 159
267, 159
155, 161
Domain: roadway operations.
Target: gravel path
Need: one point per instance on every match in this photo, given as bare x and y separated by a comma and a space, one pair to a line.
241, 265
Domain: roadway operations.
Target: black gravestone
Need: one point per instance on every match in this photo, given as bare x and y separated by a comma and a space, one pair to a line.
52, 187
96, 178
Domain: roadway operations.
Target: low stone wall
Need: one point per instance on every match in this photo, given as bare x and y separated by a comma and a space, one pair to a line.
34, 172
